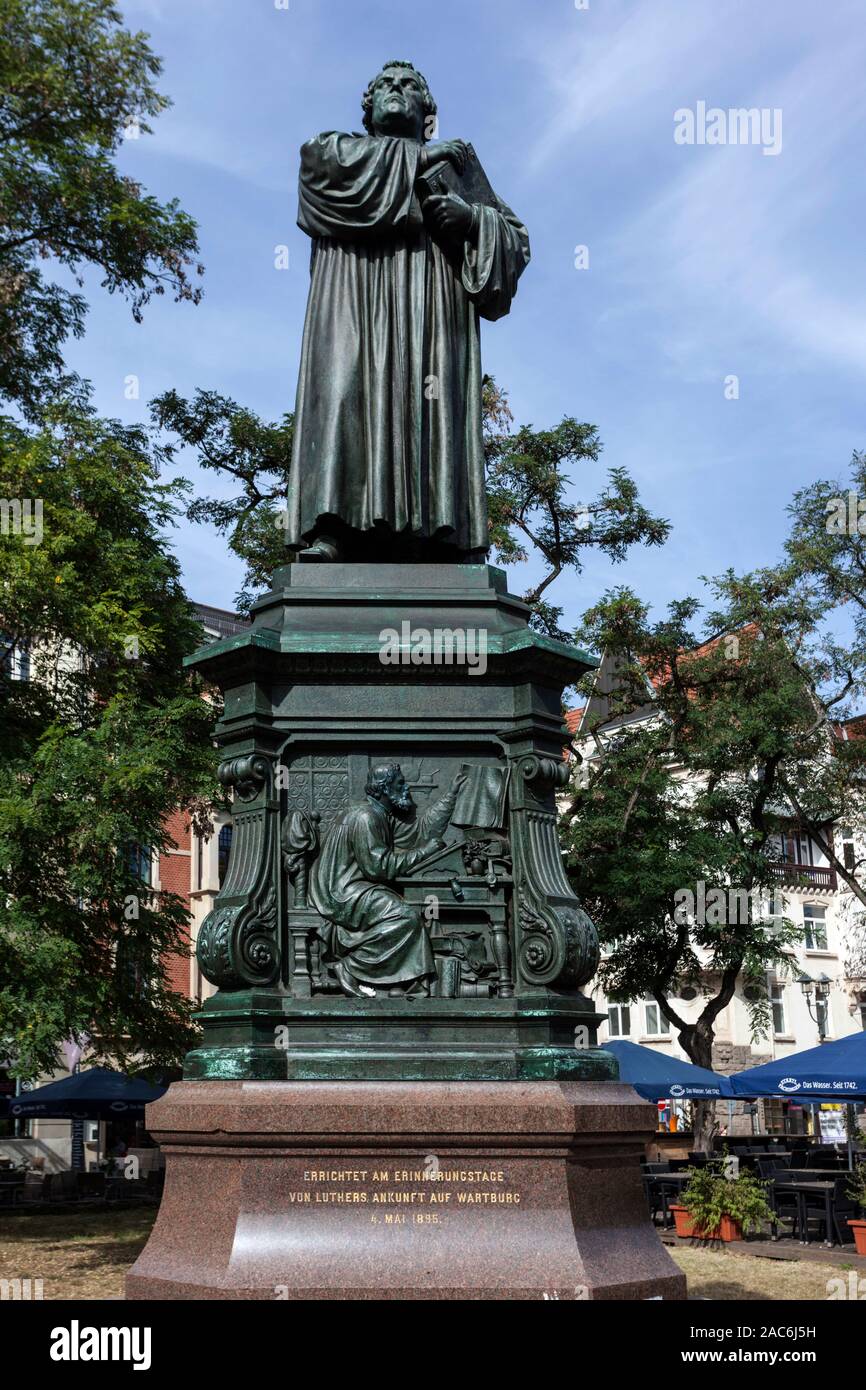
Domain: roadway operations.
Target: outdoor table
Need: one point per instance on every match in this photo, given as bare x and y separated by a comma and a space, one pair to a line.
664, 1182
810, 1174
10, 1184
802, 1189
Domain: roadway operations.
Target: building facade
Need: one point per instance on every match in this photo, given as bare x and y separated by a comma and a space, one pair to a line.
820, 996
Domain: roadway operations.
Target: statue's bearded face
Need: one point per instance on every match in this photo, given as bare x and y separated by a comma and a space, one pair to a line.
398, 797
398, 103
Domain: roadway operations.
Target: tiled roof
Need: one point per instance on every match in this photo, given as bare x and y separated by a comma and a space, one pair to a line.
573, 718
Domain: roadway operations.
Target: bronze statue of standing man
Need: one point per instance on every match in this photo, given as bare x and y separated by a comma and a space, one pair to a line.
388, 460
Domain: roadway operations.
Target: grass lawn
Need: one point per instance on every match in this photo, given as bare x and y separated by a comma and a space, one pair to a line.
76, 1254
85, 1254
718, 1275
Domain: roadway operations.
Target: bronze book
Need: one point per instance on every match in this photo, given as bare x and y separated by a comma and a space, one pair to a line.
473, 185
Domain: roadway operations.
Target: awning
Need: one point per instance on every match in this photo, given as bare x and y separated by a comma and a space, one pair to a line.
95, 1094
656, 1076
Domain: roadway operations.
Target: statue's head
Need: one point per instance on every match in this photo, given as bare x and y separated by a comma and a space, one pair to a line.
398, 102
388, 785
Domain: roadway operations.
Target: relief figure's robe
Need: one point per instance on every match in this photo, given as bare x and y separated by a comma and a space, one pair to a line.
381, 938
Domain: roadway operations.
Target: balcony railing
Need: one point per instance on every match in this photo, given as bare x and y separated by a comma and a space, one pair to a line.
809, 875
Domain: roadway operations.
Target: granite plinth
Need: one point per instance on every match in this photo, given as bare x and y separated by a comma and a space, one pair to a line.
403, 1190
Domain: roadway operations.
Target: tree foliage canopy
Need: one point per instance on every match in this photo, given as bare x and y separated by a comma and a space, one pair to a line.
531, 476
98, 747
72, 81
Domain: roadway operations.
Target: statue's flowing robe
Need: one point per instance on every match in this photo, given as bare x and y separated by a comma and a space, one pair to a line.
388, 413
378, 935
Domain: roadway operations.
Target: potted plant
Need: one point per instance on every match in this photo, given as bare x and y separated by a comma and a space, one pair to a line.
857, 1190
715, 1207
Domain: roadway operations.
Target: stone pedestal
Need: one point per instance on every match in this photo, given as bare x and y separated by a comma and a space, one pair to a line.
465, 1139
403, 1190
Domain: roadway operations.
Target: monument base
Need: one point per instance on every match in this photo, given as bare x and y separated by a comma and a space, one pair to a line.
403, 1190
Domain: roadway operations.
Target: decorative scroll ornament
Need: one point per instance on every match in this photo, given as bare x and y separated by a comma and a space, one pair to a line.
248, 775
237, 945
557, 944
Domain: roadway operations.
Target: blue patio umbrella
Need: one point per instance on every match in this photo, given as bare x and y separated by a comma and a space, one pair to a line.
95, 1094
833, 1071
656, 1076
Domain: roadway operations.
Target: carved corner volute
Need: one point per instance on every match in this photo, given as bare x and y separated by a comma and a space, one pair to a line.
238, 942
556, 943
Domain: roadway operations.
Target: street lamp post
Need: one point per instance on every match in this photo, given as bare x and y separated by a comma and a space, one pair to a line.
820, 990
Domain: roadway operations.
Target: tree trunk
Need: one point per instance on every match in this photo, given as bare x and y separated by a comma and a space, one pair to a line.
706, 1125
697, 1043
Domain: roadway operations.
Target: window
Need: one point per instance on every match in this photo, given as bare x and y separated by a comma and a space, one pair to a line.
618, 1020
654, 1024
16, 659
777, 1000
796, 848
199, 861
847, 837
815, 926
224, 845
135, 970
139, 860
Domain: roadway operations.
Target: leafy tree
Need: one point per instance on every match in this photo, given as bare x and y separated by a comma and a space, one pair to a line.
231, 440
694, 789
72, 81
825, 574
105, 739
738, 738
530, 478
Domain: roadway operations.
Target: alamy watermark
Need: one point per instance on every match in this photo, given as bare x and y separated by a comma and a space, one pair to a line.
21, 1290
22, 516
720, 907
437, 646
846, 516
738, 125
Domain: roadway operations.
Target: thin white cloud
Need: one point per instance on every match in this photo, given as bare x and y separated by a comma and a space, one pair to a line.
612, 62
752, 246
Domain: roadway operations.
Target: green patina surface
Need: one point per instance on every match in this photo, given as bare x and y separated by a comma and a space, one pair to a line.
302, 687
291, 643
339, 1064
391, 1039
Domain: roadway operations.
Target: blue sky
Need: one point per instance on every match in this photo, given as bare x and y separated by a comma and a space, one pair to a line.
704, 261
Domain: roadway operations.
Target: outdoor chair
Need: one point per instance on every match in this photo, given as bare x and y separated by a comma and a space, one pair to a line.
768, 1166
822, 1158
91, 1186
37, 1188
842, 1206
653, 1197
64, 1187
786, 1208
663, 1166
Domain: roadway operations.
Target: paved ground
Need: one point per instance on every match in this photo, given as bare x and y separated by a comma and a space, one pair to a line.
84, 1254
